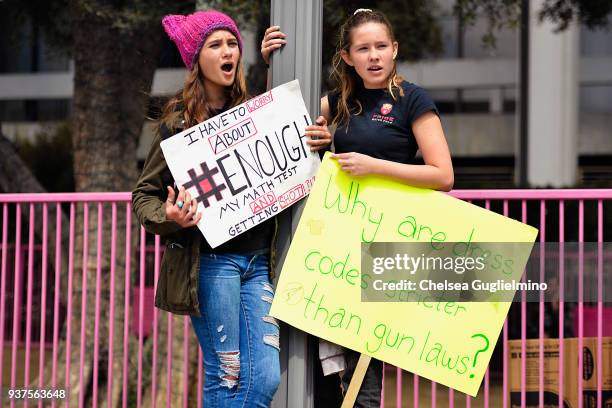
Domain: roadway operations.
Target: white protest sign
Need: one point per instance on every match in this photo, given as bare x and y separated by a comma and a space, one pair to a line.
247, 164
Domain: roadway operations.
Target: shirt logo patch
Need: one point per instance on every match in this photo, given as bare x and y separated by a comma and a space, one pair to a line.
382, 118
386, 108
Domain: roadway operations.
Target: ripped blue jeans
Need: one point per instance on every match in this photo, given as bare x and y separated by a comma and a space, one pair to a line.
239, 340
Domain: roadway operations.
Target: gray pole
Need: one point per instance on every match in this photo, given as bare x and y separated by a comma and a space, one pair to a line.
522, 156
300, 59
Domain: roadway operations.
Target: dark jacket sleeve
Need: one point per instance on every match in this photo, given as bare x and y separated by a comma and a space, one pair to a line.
149, 196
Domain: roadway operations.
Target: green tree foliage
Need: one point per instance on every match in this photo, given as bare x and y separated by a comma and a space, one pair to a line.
55, 19
594, 14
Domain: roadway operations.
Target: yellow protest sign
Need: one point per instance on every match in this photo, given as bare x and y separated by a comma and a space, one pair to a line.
319, 289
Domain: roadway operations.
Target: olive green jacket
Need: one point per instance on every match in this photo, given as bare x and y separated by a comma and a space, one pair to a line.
177, 287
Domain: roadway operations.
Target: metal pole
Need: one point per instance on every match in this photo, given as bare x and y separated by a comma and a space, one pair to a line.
300, 59
522, 158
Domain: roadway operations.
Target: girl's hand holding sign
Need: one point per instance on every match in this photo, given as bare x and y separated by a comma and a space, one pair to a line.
183, 210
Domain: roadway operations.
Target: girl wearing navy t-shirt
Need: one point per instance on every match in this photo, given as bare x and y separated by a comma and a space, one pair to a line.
381, 121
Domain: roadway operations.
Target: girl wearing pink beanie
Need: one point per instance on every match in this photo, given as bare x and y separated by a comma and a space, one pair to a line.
226, 290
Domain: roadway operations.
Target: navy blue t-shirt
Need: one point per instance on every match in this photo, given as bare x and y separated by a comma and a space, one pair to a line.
384, 127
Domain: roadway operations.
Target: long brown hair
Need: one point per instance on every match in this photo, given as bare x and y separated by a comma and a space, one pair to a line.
191, 103
346, 77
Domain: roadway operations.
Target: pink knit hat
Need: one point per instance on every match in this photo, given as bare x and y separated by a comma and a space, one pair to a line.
189, 32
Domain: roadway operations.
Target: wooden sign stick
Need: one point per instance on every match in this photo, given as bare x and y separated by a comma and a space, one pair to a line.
356, 380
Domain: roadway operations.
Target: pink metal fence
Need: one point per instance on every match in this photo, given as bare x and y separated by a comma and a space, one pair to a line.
28, 281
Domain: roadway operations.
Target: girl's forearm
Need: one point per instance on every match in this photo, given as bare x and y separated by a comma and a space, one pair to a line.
418, 175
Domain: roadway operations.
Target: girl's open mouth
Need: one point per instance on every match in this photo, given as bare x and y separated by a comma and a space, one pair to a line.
227, 68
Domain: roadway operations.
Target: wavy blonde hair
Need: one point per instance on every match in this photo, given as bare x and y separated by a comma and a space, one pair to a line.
191, 103
346, 78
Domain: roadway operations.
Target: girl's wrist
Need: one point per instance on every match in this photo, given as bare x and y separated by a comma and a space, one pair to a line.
376, 166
